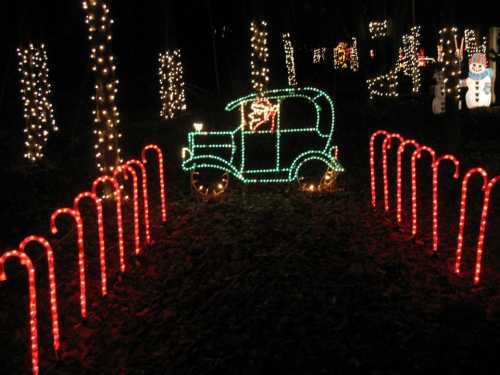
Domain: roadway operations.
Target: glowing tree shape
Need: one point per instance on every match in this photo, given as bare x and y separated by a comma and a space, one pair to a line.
161, 169
289, 59
125, 170
386, 144
52, 283
373, 180
145, 198
258, 56
173, 98
35, 93
450, 65
26, 262
100, 233
417, 154
103, 180
435, 194
81, 251
463, 209
399, 178
106, 114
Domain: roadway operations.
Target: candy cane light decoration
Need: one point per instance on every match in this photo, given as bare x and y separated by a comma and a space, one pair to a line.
145, 198
373, 181
52, 283
463, 209
125, 170
119, 218
386, 144
482, 228
159, 154
100, 232
399, 176
435, 194
417, 154
26, 262
81, 252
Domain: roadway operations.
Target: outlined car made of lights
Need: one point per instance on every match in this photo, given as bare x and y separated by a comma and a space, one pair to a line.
227, 150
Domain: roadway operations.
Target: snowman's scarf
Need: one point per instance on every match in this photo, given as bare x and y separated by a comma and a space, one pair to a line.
479, 76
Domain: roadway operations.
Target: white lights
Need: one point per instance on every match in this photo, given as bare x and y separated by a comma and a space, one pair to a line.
319, 55
290, 59
106, 114
378, 29
354, 63
198, 126
450, 64
173, 98
472, 43
258, 56
35, 92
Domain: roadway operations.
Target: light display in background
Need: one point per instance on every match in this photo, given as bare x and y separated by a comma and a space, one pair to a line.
478, 83
289, 59
172, 94
259, 55
472, 44
439, 100
106, 114
319, 55
35, 93
450, 62
378, 29
341, 56
227, 150
386, 85
354, 63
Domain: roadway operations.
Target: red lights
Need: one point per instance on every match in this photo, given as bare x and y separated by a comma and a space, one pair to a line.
373, 181
119, 218
159, 154
417, 154
100, 233
463, 208
386, 144
81, 253
399, 182
435, 194
145, 198
26, 262
52, 283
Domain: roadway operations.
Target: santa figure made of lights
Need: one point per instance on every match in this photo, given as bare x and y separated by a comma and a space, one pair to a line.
478, 82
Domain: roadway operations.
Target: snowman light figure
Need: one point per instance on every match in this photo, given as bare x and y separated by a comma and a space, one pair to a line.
478, 82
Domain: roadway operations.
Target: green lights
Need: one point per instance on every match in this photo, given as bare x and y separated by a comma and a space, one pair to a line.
233, 144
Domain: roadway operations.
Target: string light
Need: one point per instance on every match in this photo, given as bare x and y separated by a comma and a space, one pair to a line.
435, 195
106, 114
81, 252
35, 93
319, 55
258, 56
472, 43
100, 233
119, 218
378, 29
235, 141
161, 174
173, 98
450, 65
387, 144
52, 284
262, 111
482, 228
125, 170
340, 56
373, 180
417, 154
289, 59
399, 177
354, 63
463, 208
206, 193
26, 262
145, 198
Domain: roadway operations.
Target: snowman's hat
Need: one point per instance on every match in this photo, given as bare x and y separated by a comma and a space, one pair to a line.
478, 58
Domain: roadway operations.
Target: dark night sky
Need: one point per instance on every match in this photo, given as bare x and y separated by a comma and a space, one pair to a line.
143, 28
